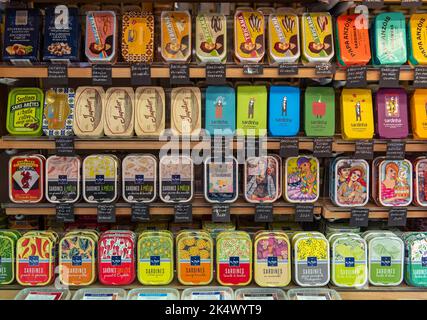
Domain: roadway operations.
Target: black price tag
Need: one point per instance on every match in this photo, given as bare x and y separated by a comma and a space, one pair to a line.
57, 74
102, 75
395, 150
140, 74
397, 217
221, 212
389, 77
373, 4
322, 147
420, 77
356, 77
253, 69
324, 69
140, 212
412, 3
65, 212
106, 213
64, 146
216, 74
288, 69
289, 147
183, 213
179, 74
264, 212
364, 149
304, 212
359, 217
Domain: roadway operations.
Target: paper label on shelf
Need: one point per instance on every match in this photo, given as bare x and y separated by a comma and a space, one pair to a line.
40, 295
100, 296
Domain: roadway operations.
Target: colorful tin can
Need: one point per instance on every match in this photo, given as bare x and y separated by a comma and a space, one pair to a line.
415, 258
194, 258
392, 113
220, 106
417, 36
176, 179
357, 115
419, 113
58, 114
319, 115
89, 109
283, 37
261, 179
249, 38
62, 33
26, 178
63, 179
395, 183
101, 36
119, 112
221, 180
211, 37
283, 111
420, 181
149, 111
186, 110
252, 110
301, 179
234, 258
139, 177
7, 257
317, 37
25, 112
138, 36
175, 36
353, 47
389, 39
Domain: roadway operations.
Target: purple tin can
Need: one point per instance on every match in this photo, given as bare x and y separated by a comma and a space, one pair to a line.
392, 113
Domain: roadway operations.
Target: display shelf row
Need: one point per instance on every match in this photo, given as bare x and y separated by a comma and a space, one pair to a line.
182, 143
195, 72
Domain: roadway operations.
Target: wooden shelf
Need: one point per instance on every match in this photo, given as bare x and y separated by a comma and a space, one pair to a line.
84, 70
200, 207
329, 211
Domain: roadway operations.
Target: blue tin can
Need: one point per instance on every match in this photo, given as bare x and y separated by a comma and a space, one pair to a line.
220, 118
284, 111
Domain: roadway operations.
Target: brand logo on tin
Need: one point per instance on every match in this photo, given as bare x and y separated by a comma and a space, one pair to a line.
62, 179
154, 260
195, 260
349, 262
116, 260
139, 179
311, 261
176, 178
76, 261
99, 179
234, 261
33, 261
424, 261
272, 261
385, 261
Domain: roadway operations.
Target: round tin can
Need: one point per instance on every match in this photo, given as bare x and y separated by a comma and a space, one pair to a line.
149, 111
119, 112
89, 112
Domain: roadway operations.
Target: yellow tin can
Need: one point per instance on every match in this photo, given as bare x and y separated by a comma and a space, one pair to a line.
419, 113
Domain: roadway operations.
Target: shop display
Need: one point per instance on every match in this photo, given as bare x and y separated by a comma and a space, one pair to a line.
25, 112
211, 38
301, 179
357, 115
176, 36
186, 111
418, 111
283, 37
101, 36
62, 32
63, 179
417, 35
283, 111
149, 111
261, 179
58, 114
21, 43
317, 37
89, 108
220, 108
249, 36
389, 39
137, 36
251, 110
119, 112
221, 178
319, 112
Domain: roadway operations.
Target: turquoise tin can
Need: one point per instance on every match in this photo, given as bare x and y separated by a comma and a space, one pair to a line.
220, 116
284, 111
389, 39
